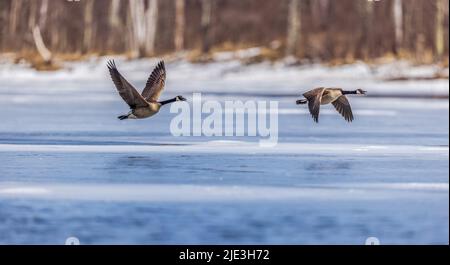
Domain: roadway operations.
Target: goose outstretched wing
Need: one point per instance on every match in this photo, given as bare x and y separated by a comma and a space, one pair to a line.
314, 97
155, 83
343, 107
129, 94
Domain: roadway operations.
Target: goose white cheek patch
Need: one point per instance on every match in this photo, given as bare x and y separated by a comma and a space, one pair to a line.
212, 118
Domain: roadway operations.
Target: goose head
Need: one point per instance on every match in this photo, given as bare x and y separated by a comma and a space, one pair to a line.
180, 98
359, 91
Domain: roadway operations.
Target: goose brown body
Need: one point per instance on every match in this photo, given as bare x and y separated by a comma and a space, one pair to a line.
323, 96
148, 111
330, 95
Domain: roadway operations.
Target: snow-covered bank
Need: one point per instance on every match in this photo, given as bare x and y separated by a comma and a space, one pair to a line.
230, 76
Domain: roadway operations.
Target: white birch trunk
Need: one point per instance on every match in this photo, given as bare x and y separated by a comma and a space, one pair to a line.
137, 16
36, 26
40, 45
144, 25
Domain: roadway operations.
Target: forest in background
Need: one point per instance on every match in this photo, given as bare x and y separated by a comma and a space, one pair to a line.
308, 30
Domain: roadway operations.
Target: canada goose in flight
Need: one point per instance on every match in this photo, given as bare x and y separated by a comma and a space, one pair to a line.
336, 96
147, 104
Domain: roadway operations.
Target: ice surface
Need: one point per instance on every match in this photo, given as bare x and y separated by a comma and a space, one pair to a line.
201, 193
70, 168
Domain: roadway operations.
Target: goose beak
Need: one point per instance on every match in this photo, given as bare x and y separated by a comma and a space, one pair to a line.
362, 92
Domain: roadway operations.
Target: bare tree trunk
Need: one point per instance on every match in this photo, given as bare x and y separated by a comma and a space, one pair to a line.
14, 15
43, 13
33, 13
130, 44
3, 21
114, 13
420, 39
151, 17
179, 24
144, 24
42, 49
398, 24
137, 16
369, 19
293, 28
115, 32
205, 25
40, 45
88, 26
441, 8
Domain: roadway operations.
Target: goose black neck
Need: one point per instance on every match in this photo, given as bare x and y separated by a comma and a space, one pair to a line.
168, 101
347, 92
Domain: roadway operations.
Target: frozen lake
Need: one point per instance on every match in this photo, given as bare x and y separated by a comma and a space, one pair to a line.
70, 168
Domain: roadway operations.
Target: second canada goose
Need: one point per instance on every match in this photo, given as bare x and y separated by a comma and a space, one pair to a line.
336, 96
146, 104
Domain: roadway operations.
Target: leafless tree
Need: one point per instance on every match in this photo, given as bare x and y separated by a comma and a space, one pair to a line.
88, 25
144, 18
311, 29
398, 24
179, 24
441, 10
35, 26
114, 13
205, 25
293, 27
